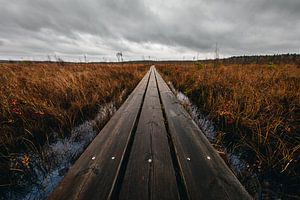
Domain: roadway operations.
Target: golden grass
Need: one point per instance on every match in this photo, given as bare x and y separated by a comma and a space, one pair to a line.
256, 108
39, 98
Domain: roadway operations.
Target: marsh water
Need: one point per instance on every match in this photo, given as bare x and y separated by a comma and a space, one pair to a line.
47, 167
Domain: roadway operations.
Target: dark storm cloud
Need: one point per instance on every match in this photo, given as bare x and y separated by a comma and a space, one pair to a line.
156, 28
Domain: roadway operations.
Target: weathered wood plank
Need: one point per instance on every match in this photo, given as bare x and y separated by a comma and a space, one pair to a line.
94, 174
150, 173
204, 173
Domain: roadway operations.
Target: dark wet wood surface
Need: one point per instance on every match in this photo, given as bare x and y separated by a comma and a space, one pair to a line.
94, 174
150, 149
150, 173
204, 173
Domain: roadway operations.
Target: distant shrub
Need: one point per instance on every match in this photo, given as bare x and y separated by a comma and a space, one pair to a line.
271, 65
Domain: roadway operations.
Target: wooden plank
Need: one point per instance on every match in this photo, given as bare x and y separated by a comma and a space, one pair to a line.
204, 173
94, 174
150, 173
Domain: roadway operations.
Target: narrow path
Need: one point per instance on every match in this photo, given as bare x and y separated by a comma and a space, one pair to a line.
150, 149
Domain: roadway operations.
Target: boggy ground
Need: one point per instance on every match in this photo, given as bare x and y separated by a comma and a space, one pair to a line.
254, 105
38, 99
255, 108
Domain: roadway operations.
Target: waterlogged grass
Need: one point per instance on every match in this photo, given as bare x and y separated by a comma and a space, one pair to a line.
40, 99
256, 109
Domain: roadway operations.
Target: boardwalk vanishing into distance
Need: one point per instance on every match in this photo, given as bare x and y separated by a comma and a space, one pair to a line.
150, 149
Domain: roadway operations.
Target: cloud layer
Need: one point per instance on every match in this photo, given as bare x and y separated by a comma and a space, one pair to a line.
170, 29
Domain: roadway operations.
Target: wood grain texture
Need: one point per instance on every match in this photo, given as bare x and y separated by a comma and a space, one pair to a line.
150, 149
204, 173
95, 178
150, 173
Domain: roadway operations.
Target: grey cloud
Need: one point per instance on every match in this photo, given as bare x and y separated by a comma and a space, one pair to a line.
103, 27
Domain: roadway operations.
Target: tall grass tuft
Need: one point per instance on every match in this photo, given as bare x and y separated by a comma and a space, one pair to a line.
38, 99
256, 108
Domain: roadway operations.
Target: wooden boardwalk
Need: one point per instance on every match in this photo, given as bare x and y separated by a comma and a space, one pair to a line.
150, 149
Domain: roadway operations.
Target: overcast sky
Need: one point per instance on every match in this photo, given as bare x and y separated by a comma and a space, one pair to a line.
161, 29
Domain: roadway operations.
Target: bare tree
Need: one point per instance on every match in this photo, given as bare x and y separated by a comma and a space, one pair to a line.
217, 52
216, 55
119, 56
59, 60
49, 58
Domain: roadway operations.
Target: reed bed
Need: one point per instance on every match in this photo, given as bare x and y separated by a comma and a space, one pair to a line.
256, 108
38, 99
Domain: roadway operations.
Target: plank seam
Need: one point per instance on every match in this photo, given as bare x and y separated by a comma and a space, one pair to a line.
179, 177
116, 189
151, 166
